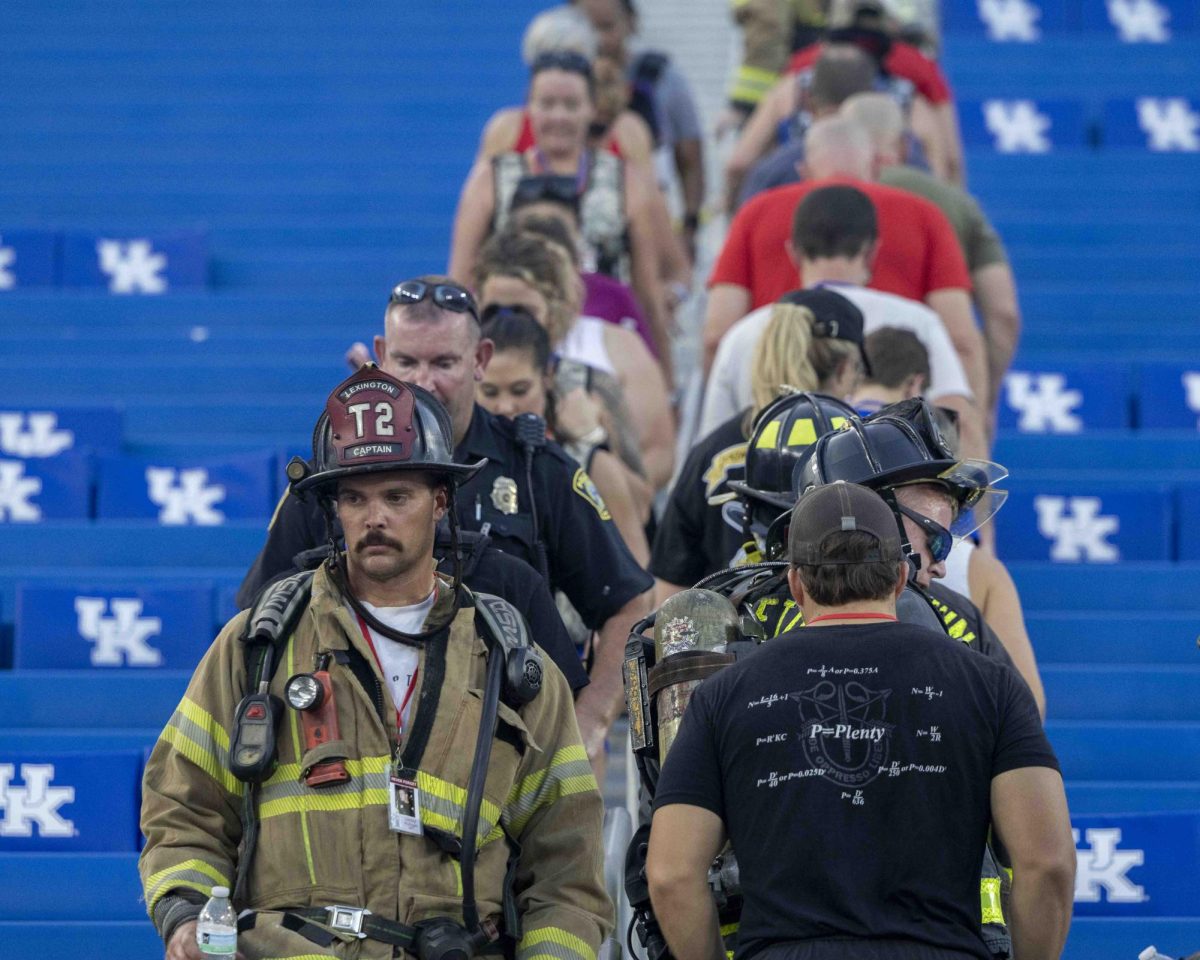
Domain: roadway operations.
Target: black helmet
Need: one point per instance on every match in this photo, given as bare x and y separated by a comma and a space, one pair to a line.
374, 423
783, 430
902, 445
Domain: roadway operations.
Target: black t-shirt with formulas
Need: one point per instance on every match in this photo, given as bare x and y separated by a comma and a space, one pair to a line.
852, 767
696, 538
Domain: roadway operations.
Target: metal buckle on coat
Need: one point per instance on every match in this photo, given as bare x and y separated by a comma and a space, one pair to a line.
347, 919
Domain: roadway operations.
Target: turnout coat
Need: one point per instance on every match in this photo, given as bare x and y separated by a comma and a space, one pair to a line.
332, 845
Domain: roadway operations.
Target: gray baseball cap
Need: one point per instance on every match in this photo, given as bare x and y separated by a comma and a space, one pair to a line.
837, 507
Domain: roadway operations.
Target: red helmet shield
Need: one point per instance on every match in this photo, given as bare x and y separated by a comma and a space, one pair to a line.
371, 417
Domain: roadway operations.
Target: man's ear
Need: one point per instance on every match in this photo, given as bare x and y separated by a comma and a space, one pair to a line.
796, 585
441, 502
483, 356
901, 579
914, 385
792, 252
380, 345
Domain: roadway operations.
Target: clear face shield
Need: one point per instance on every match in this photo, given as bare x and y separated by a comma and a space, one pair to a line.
972, 482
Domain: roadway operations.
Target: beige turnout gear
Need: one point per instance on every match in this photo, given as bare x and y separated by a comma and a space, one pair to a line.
331, 845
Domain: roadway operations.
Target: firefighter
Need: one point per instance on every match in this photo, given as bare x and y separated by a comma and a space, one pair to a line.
374, 758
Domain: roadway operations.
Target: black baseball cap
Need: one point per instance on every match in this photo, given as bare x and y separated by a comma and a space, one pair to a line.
837, 507
837, 317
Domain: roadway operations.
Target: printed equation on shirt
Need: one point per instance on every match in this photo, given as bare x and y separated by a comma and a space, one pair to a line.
844, 734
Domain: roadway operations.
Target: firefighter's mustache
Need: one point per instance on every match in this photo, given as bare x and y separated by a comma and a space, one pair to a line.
376, 539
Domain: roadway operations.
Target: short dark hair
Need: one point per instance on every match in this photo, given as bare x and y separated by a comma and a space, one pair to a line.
836, 584
514, 328
895, 355
835, 221
841, 71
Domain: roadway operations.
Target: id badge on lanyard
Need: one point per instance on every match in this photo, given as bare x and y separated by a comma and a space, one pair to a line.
404, 801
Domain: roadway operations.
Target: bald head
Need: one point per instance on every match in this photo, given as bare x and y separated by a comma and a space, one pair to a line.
835, 147
879, 115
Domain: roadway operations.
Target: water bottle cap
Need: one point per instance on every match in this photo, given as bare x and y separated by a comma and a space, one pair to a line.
219, 892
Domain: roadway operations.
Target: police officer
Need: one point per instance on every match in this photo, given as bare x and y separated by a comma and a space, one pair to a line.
540, 506
444, 804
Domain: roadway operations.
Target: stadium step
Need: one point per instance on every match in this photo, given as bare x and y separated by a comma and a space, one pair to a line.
1146, 637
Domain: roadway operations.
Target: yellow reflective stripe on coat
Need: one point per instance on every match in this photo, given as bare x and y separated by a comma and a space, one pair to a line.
553, 943
443, 807
195, 874
989, 900
751, 84
568, 772
284, 792
193, 732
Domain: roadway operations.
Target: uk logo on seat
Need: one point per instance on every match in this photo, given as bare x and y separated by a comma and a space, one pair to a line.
1170, 124
1079, 531
1017, 126
8, 279
1044, 403
1011, 20
185, 496
17, 492
132, 266
1191, 389
120, 636
1102, 867
33, 435
1140, 21
36, 803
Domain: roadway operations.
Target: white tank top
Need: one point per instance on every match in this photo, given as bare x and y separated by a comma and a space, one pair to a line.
957, 566
584, 343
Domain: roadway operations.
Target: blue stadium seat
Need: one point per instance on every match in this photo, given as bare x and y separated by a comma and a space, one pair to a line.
102, 886
47, 740
1102, 450
1066, 397
1189, 523
147, 264
1117, 637
1024, 24
1086, 797
1159, 124
63, 940
178, 491
66, 700
1122, 938
1169, 395
167, 627
1126, 750
1152, 852
1157, 587
1023, 125
46, 489
1086, 522
1137, 692
28, 259
69, 802
35, 432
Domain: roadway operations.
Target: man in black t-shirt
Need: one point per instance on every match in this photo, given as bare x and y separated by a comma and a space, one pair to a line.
855, 766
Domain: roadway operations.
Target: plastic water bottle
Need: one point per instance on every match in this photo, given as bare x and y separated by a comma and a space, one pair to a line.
1151, 953
216, 928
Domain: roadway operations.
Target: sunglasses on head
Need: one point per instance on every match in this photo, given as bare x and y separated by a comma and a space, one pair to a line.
552, 187
938, 538
567, 60
448, 296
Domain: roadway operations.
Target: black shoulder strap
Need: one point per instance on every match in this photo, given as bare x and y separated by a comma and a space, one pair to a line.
273, 617
502, 622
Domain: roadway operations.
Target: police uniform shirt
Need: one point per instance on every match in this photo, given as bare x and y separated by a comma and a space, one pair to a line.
696, 538
299, 526
586, 557
849, 760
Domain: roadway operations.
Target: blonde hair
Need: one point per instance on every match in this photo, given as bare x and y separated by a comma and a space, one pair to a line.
560, 28
788, 355
543, 265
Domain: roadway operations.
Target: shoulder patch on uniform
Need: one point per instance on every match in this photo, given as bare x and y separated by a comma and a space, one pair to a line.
582, 484
719, 469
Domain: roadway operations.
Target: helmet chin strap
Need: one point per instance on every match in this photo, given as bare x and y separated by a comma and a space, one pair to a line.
913, 558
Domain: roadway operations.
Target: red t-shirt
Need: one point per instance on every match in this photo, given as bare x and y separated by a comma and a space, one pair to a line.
918, 251
902, 60
525, 139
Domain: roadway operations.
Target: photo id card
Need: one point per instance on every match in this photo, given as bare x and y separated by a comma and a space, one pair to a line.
404, 806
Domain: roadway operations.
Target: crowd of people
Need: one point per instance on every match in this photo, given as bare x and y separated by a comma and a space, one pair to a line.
497, 480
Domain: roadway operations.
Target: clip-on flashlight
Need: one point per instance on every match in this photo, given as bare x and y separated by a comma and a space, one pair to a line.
311, 694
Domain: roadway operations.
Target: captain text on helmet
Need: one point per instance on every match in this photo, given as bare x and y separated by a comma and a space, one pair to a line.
375, 758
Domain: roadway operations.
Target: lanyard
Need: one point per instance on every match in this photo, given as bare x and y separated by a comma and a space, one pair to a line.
412, 684
581, 174
852, 616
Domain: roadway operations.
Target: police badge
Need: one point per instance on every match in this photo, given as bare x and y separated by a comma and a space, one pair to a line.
504, 495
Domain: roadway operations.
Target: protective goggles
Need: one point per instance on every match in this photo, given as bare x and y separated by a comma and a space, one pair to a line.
448, 296
972, 483
551, 187
938, 539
